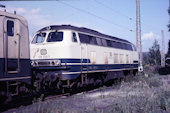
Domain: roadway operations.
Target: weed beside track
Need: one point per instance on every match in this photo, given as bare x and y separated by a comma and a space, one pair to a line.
146, 92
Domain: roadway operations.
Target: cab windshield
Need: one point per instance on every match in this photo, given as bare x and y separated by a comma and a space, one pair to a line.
55, 37
39, 38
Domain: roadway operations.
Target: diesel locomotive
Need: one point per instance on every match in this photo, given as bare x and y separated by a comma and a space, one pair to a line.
65, 55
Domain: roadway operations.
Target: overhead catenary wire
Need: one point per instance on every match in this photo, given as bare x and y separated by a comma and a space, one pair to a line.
113, 10
106, 6
122, 14
94, 15
37, 0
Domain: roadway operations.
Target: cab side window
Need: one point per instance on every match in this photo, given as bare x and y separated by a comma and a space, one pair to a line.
10, 28
74, 38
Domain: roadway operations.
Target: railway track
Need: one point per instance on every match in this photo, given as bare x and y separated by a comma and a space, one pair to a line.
45, 96
56, 96
28, 100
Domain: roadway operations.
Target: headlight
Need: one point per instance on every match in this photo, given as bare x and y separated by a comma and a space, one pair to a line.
46, 63
55, 63
34, 63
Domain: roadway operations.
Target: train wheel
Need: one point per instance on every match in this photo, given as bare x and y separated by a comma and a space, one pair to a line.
91, 81
135, 72
59, 84
38, 82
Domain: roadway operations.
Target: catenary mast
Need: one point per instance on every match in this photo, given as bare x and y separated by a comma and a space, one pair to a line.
138, 34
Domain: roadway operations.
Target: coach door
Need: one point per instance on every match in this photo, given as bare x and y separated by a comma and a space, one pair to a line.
12, 45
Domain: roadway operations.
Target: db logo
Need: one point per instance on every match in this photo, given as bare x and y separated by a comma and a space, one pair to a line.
43, 51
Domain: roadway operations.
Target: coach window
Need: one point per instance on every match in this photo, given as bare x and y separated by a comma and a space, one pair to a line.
122, 45
104, 42
74, 38
130, 47
113, 44
93, 40
134, 48
125, 46
55, 37
99, 41
109, 43
39, 38
10, 28
84, 38
119, 45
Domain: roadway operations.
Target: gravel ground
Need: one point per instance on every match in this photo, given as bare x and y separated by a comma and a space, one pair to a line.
141, 94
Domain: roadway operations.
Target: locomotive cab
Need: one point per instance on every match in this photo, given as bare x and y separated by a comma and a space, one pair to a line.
51, 52
52, 44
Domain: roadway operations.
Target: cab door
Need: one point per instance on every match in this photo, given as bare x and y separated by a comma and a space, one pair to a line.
84, 57
11, 45
84, 40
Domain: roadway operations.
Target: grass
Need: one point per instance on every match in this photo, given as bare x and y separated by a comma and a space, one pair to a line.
145, 93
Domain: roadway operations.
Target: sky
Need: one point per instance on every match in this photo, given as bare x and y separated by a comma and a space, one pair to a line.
112, 17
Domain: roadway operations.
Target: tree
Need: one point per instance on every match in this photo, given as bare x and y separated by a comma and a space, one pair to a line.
145, 58
154, 55
168, 53
169, 15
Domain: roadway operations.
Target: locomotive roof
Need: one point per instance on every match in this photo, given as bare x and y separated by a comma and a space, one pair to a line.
81, 29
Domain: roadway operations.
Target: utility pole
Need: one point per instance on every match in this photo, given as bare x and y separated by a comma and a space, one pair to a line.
163, 50
169, 15
138, 35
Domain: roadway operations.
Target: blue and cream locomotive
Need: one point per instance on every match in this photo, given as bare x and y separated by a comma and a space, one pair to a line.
66, 54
